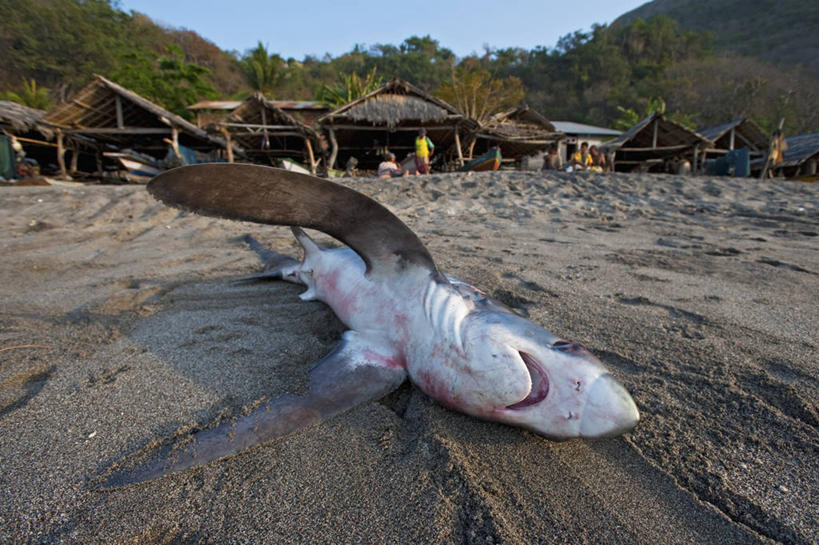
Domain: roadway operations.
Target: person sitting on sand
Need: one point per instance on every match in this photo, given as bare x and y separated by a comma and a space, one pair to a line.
423, 150
581, 159
552, 160
598, 160
389, 168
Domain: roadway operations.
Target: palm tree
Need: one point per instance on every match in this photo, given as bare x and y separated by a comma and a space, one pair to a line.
349, 88
264, 71
31, 96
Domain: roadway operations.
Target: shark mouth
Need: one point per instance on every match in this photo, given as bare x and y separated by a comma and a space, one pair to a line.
540, 383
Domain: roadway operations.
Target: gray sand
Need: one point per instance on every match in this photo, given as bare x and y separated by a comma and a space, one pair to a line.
701, 295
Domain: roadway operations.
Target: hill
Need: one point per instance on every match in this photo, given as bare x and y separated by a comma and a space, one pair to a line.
782, 32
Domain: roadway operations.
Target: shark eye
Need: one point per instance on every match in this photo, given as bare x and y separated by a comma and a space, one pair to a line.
568, 348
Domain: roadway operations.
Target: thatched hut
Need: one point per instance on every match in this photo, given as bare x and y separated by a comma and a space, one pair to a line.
118, 119
518, 133
388, 119
656, 144
737, 133
265, 133
22, 125
801, 158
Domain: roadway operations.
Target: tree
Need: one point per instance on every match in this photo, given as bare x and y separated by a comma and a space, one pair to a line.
349, 88
168, 80
31, 96
263, 71
478, 95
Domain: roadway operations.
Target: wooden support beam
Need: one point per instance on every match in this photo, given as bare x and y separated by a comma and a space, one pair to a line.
731, 142
310, 155
122, 131
120, 120
661, 148
333, 147
74, 157
654, 138
434, 128
256, 126
228, 144
694, 164
175, 142
458, 147
61, 154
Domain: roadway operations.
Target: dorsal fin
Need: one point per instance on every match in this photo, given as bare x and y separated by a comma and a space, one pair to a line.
280, 197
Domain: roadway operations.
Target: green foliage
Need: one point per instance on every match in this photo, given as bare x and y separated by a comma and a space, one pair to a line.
606, 75
31, 95
349, 88
478, 95
264, 72
169, 80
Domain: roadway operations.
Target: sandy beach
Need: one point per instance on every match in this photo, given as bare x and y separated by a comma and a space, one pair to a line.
121, 327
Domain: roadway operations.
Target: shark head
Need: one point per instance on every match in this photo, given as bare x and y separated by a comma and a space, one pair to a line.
535, 380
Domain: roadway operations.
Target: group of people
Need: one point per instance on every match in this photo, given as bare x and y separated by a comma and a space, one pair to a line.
586, 158
424, 148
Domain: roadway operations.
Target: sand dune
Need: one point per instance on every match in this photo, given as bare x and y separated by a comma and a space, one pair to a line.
120, 326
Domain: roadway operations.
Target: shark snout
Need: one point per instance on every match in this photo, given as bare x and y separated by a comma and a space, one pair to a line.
609, 411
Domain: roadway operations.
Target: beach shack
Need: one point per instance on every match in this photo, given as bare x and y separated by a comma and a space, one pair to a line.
213, 111
734, 145
388, 119
129, 129
22, 130
518, 133
577, 133
801, 157
657, 144
266, 133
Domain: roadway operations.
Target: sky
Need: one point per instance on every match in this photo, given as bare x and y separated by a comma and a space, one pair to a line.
315, 27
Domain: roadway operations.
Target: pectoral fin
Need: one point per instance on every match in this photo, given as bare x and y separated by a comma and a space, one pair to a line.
355, 372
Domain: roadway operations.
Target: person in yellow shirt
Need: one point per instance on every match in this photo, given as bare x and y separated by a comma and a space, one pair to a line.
581, 159
423, 150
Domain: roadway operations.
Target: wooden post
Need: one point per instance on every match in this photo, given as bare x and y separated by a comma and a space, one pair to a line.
61, 154
310, 155
694, 165
120, 120
458, 147
98, 157
654, 139
228, 144
472, 147
175, 142
333, 147
731, 144
74, 156
266, 141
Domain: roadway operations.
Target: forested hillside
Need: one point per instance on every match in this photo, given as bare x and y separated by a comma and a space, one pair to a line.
784, 32
610, 75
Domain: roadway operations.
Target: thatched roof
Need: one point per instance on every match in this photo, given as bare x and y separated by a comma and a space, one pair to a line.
20, 118
520, 124
518, 133
800, 149
257, 124
111, 113
392, 104
669, 134
746, 133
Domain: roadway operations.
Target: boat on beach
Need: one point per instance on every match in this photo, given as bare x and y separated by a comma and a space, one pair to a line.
491, 160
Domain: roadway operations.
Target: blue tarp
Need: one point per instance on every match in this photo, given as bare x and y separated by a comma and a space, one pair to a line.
7, 158
736, 163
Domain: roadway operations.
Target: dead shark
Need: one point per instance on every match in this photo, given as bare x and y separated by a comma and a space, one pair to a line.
405, 318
